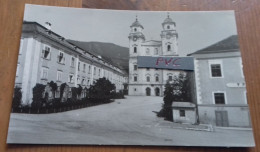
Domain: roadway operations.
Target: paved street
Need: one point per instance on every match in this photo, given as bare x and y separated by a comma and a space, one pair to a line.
128, 121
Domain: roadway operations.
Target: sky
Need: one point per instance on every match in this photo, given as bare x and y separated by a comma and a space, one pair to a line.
196, 30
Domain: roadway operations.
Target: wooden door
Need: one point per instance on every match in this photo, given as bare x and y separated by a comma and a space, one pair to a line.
221, 118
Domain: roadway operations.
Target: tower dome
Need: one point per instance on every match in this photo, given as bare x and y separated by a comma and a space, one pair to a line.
168, 20
137, 24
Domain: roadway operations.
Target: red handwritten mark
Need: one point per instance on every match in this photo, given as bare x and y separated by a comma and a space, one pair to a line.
159, 60
174, 62
167, 62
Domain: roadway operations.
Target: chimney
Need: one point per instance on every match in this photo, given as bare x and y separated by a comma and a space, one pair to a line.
48, 26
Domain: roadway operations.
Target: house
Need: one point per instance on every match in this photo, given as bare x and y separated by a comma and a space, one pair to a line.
184, 112
45, 56
220, 85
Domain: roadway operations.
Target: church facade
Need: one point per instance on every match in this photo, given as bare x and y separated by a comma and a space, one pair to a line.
151, 81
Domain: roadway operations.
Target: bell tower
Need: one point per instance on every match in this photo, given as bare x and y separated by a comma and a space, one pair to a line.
169, 37
136, 37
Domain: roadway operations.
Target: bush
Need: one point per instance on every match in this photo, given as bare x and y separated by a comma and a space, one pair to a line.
17, 99
101, 91
38, 99
118, 95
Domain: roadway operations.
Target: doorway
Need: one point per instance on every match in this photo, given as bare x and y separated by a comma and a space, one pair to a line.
157, 91
221, 118
148, 91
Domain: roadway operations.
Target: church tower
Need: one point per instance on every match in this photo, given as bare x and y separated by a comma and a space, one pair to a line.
169, 37
136, 38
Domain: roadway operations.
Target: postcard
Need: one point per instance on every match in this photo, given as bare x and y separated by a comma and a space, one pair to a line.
119, 77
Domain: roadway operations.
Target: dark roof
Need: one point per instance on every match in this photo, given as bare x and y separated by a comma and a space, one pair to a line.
137, 24
168, 20
35, 26
229, 44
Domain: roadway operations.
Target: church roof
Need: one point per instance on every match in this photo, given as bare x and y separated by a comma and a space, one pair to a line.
229, 44
152, 42
168, 20
137, 24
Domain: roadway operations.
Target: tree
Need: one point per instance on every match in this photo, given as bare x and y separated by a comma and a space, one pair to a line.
102, 90
38, 96
79, 90
182, 88
166, 110
17, 97
54, 87
62, 87
179, 90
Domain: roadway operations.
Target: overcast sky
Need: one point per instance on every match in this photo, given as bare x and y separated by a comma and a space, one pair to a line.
196, 30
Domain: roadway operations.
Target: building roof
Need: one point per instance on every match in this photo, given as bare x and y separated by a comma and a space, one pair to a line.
229, 44
168, 20
137, 24
152, 42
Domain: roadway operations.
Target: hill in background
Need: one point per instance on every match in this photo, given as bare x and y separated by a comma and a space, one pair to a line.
113, 53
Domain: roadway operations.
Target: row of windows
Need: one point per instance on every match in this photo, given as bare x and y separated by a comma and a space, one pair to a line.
44, 76
46, 54
148, 78
156, 51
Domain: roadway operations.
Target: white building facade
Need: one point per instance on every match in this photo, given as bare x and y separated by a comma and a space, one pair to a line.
151, 81
45, 56
220, 85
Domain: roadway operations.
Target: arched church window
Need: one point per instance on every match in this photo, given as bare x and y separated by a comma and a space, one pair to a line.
147, 51
157, 78
135, 49
135, 29
168, 27
148, 78
169, 47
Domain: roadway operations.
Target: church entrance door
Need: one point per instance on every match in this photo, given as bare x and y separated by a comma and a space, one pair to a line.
148, 91
157, 91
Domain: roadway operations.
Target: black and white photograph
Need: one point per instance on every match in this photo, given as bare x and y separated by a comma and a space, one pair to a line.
126, 77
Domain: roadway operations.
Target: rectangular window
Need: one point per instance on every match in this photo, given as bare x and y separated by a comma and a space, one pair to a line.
216, 70
71, 78
156, 78
84, 67
148, 79
182, 113
219, 98
72, 63
94, 70
135, 67
44, 73
170, 78
89, 69
59, 75
61, 58
135, 78
78, 66
46, 52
